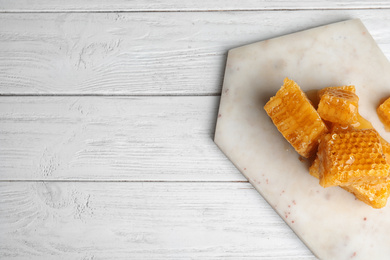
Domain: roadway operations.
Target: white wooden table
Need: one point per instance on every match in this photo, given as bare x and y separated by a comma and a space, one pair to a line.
107, 117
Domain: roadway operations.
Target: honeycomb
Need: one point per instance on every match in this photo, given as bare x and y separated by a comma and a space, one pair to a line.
383, 112
338, 106
296, 119
375, 195
352, 156
365, 124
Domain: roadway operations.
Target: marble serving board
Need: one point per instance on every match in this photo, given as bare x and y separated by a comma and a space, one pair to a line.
330, 221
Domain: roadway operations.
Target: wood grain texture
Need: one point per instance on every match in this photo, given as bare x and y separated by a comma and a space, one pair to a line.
140, 176
180, 53
111, 138
42, 220
176, 5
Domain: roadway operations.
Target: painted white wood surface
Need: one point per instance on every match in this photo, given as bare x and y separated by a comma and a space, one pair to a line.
111, 138
181, 53
99, 220
91, 177
186, 5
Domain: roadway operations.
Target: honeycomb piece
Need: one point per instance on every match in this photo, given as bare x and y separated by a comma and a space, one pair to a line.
383, 112
350, 157
363, 124
295, 117
375, 195
350, 88
339, 106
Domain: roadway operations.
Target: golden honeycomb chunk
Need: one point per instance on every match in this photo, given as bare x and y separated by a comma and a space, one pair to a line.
383, 112
363, 124
352, 156
295, 117
375, 195
338, 106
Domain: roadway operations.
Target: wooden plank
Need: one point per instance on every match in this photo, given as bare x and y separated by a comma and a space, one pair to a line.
84, 220
111, 138
180, 53
176, 5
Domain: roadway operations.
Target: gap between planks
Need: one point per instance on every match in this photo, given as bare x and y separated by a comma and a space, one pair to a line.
113, 95
190, 10
132, 181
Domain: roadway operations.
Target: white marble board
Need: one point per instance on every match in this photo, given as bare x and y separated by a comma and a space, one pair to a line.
330, 221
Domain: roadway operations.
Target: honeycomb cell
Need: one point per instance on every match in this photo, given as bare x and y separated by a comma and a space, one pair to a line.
295, 117
356, 171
